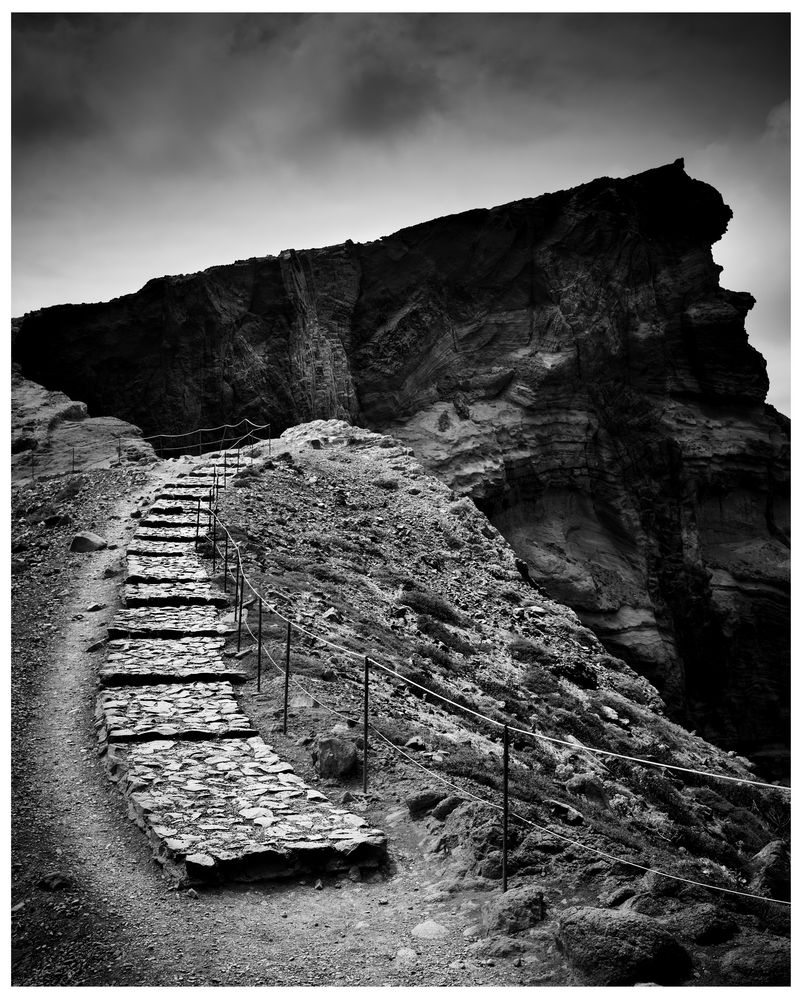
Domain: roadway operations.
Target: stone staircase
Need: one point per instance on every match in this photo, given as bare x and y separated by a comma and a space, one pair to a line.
214, 800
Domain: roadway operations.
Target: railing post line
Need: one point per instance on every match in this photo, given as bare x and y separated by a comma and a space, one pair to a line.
506, 782
197, 527
225, 564
287, 676
241, 601
365, 729
214, 546
225, 471
259, 650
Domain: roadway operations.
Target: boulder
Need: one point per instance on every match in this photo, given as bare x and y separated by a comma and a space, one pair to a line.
610, 947
491, 866
704, 924
442, 810
758, 959
566, 813
514, 911
86, 541
588, 787
424, 801
334, 756
772, 871
429, 930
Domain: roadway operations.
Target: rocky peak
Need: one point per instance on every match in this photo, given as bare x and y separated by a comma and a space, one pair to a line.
570, 362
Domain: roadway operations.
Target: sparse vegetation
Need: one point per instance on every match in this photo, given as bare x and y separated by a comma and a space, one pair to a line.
426, 602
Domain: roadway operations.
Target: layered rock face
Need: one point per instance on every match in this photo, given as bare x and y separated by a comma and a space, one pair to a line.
570, 362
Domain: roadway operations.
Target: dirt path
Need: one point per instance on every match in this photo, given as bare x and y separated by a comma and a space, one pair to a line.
118, 921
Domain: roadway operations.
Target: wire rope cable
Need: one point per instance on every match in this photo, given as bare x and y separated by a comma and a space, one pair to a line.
464, 791
486, 718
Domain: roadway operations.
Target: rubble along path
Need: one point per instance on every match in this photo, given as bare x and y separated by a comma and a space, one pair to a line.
108, 917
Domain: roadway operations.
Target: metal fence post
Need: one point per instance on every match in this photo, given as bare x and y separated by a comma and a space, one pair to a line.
241, 600
287, 676
225, 471
365, 729
259, 650
214, 545
506, 808
197, 527
225, 564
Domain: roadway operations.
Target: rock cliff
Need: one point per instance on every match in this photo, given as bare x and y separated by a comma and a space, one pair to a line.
570, 362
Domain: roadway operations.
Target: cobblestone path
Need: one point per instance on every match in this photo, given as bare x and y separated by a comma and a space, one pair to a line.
214, 800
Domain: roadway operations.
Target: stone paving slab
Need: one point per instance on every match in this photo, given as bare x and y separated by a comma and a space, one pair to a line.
171, 519
172, 594
186, 493
168, 660
158, 549
193, 482
167, 622
234, 811
201, 710
175, 533
178, 507
183, 568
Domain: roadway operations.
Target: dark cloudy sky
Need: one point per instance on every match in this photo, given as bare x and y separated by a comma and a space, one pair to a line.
148, 144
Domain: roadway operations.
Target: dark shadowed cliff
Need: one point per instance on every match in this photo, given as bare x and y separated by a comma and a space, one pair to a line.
569, 361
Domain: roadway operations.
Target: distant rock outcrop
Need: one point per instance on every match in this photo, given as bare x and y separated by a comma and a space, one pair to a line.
570, 362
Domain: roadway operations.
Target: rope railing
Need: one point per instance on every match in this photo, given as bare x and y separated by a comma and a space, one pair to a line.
241, 575
76, 451
210, 430
478, 714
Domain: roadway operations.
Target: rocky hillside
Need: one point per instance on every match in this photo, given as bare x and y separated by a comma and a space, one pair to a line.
570, 362
52, 434
345, 533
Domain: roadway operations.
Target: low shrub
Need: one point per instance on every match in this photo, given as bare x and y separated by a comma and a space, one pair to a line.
440, 633
541, 681
426, 602
529, 650
435, 654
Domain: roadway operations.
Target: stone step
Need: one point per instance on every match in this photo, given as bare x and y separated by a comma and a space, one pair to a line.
135, 661
171, 711
183, 568
175, 533
203, 482
188, 519
232, 811
166, 622
172, 594
186, 494
220, 471
178, 507
154, 548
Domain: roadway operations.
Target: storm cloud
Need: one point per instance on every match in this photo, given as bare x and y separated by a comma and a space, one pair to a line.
146, 144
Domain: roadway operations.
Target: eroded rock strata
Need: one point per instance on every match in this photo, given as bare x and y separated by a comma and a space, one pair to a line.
569, 361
